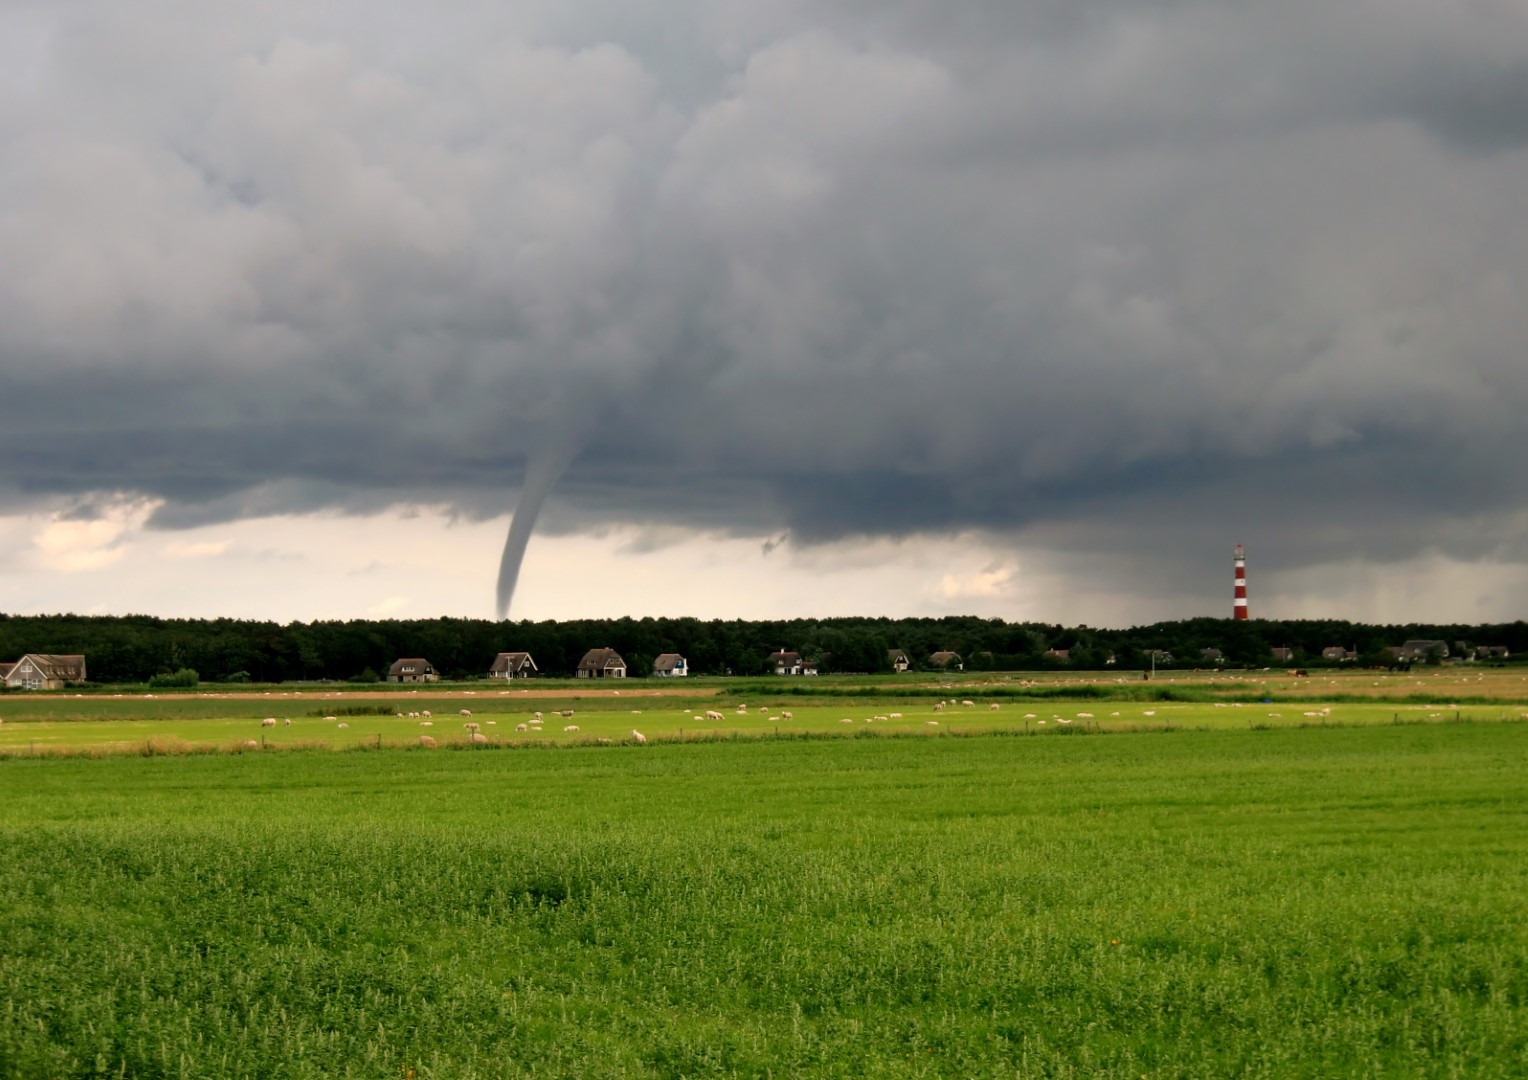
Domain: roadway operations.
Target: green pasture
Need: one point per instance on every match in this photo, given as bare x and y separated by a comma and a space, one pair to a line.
1311, 902
48, 723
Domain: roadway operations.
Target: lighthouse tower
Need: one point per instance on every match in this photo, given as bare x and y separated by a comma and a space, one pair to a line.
1239, 609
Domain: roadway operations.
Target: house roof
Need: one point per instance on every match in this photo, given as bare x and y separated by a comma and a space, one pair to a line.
512, 661
411, 662
600, 660
787, 657
897, 654
6, 667
943, 657
667, 661
64, 667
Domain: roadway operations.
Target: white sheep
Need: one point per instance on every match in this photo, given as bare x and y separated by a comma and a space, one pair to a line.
269, 721
537, 715
330, 719
466, 712
742, 709
787, 715
932, 723
250, 744
566, 714
939, 707
342, 727
637, 736
519, 727
471, 725
894, 716
969, 704
774, 719
570, 727
427, 723
712, 714
479, 737
994, 707
1029, 716
846, 720
698, 719
425, 712
287, 721
426, 742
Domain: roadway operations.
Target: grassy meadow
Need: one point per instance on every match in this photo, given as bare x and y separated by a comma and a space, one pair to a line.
1205, 892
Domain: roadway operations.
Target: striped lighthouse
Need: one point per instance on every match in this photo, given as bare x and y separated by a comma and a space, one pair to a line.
1239, 608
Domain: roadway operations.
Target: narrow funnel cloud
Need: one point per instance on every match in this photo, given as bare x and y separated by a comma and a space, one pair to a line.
542, 472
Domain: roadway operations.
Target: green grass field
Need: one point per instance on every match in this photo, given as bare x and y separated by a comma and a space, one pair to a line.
1341, 901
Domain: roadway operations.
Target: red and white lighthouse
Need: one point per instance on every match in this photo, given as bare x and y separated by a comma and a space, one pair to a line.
1239, 608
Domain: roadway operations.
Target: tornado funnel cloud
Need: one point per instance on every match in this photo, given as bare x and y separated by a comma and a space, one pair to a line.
542, 472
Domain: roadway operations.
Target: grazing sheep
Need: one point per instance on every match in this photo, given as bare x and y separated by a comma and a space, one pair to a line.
698, 719
993, 707
939, 707
269, 721
570, 727
425, 712
1062, 720
479, 737
330, 719
741, 709
637, 736
883, 719
466, 712
427, 723
537, 715
774, 719
636, 712
1149, 712
712, 714
1029, 716
250, 744
1084, 716
520, 727
846, 720
471, 725
287, 721
398, 715
932, 723
787, 716
969, 704
566, 714
342, 727
426, 742
894, 716
602, 741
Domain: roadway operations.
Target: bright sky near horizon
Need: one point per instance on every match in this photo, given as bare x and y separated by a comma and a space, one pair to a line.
1032, 310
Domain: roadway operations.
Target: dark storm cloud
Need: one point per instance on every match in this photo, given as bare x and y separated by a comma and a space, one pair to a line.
833, 269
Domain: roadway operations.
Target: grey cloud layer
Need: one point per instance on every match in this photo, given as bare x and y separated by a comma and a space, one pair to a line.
841, 268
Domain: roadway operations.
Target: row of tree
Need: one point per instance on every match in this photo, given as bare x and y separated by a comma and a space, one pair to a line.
135, 648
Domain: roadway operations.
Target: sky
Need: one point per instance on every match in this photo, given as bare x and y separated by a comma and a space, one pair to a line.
1029, 309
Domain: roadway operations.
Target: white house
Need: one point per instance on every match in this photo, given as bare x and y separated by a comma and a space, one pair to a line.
412, 669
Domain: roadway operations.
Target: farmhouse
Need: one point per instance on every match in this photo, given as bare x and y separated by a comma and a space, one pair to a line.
899, 660
1061, 656
1423, 649
1212, 654
601, 664
1282, 654
1338, 653
412, 669
945, 659
670, 665
1491, 652
786, 663
512, 665
43, 671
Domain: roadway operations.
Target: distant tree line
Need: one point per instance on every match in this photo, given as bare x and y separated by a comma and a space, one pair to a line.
136, 648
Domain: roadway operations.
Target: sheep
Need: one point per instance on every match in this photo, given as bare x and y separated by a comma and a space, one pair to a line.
479, 737
1084, 716
787, 716
425, 712
933, 723
698, 719
570, 727
883, 719
287, 721
426, 742
1029, 716
939, 707
774, 719
466, 712
250, 744
846, 720
602, 741
269, 721
427, 723
993, 707
638, 737
537, 715
471, 725
329, 719
342, 727
1149, 712
742, 710
398, 715
894, 716
712, 714
566, 714
969, 704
